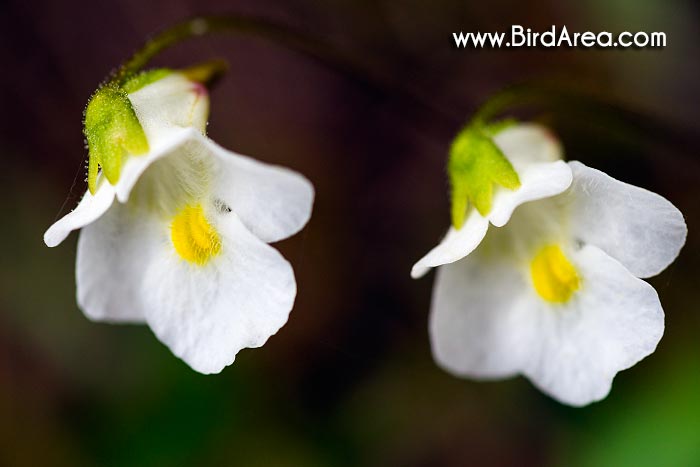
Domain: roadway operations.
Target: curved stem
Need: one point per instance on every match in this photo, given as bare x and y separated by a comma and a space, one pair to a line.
205, 25
304, 44
523, 95
616, 118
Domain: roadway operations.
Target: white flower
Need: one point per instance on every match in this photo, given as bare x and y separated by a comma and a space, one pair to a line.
180, 242
556, 294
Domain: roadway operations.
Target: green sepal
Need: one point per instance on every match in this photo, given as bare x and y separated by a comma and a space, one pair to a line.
139, 80
112, 131
494, 128
475, 164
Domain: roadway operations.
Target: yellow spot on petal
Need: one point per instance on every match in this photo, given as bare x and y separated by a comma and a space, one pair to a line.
555, 279
194, 238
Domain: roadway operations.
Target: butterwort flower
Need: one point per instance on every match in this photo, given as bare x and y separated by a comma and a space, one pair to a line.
175, 229
556, 293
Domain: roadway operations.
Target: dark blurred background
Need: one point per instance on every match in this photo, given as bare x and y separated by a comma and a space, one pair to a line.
350, 379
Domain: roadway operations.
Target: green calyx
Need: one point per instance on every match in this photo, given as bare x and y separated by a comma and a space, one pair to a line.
113, 131
475, 164
140, 80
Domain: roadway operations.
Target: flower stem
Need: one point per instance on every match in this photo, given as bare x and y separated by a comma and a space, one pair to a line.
294, 40
205, 25
576, 104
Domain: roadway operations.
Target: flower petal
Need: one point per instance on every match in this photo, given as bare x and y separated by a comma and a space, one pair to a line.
641, 229
537, 181
206, 314
456, 245
112, 255
613, 322
273, 202
528, 143
169, 141
90, 208
173, 112
479, 321
171, 102
536, 156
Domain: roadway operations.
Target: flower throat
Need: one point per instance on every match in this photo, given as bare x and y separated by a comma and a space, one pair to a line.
555, 279
194, 238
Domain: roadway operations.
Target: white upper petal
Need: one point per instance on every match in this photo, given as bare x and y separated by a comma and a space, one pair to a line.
538, 181
641, 229
172, 111
273, 202
206, 314
173, 101
170, 141
480, 320
112, 256
88, 210
611, 323
536, 157
528, 143
456, 245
